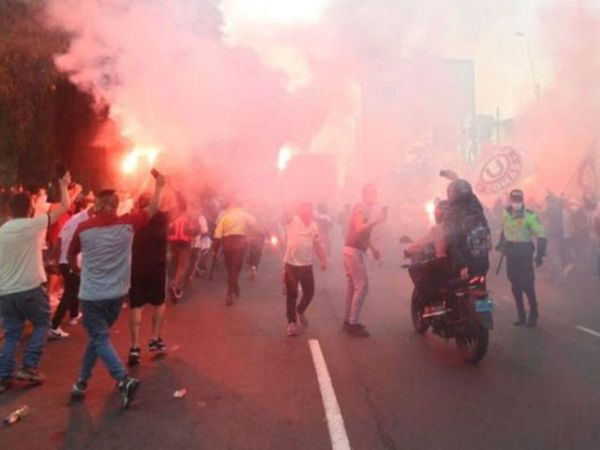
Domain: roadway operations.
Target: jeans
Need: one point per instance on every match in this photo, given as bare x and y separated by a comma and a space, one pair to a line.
98, 318
32, 305
304, 276
69, 301
357, 284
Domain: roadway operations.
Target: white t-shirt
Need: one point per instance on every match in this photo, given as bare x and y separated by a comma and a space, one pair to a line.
67, 232
202, 241
301, 240
21, 265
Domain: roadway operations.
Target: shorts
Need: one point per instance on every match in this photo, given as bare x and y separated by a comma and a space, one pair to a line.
148, 287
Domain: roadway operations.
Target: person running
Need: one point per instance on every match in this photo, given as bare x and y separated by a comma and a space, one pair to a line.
303, 241
69, 301
22, 274
148, 274
358, 241
231, 231
105, 243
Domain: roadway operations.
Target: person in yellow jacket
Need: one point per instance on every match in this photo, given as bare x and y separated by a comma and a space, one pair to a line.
231, 232
520, 226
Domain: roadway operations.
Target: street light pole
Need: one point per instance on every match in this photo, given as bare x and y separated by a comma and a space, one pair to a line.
536, 85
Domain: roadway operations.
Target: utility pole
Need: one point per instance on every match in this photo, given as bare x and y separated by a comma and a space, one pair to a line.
534, 80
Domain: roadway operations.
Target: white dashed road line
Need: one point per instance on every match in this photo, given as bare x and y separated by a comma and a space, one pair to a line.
588, 331
335, 421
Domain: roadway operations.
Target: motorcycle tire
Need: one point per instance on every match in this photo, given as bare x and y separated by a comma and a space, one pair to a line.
416, 309
473, 346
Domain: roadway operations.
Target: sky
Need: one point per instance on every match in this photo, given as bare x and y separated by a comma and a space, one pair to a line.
230, 83
470, 30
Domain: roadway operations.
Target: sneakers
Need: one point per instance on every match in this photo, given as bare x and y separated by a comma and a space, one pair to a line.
128, 388
229, 300
357, 330
31, 375
292, 330
157, 345
301, 319
79, 388
57, 333
76, 320
134, 356
253, 271
532, 323
520, 322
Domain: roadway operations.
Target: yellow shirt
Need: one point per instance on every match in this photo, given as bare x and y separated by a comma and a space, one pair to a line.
234, 222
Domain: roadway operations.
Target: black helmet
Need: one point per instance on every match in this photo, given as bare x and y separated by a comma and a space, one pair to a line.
516, 195
458, 189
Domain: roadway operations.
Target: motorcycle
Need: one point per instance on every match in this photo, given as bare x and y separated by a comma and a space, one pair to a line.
453, 308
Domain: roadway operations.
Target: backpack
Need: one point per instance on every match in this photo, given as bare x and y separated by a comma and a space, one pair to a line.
477, 233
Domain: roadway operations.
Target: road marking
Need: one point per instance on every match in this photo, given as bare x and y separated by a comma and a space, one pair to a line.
335, 421
588, 331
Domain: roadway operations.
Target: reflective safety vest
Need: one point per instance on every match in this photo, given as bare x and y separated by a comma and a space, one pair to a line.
523, 227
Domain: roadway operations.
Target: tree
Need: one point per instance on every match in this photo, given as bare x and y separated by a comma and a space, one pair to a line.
43, 117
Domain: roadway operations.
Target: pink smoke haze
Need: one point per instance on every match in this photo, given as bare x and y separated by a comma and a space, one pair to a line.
384, 89
557, 131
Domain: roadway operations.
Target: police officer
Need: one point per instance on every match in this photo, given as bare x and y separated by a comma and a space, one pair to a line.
519, 227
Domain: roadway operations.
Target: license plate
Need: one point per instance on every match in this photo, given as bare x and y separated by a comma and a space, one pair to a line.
484, 305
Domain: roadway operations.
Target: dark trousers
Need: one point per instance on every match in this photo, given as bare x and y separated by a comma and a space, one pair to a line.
69, 301
234, 261
521, 274
294, 276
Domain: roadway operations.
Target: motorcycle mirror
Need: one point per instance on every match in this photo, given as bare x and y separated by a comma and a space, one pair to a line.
406, 240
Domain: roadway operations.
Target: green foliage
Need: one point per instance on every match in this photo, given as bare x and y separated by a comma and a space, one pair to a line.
27, 92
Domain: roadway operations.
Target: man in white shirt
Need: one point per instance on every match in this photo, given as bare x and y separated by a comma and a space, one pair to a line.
200, 249
302, 242
21, 276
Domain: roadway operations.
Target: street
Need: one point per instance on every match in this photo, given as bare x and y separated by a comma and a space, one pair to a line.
251, 387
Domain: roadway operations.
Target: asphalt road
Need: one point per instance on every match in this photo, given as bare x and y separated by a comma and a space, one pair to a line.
251, 387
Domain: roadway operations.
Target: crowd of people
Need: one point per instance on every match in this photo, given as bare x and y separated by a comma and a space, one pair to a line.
88, 254
91, 253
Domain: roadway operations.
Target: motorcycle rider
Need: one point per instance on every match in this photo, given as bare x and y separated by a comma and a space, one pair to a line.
519, 226
466, 231
433, 240
432, 246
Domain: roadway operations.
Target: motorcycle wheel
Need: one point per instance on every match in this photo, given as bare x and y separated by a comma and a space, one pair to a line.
416, 309
473, 347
